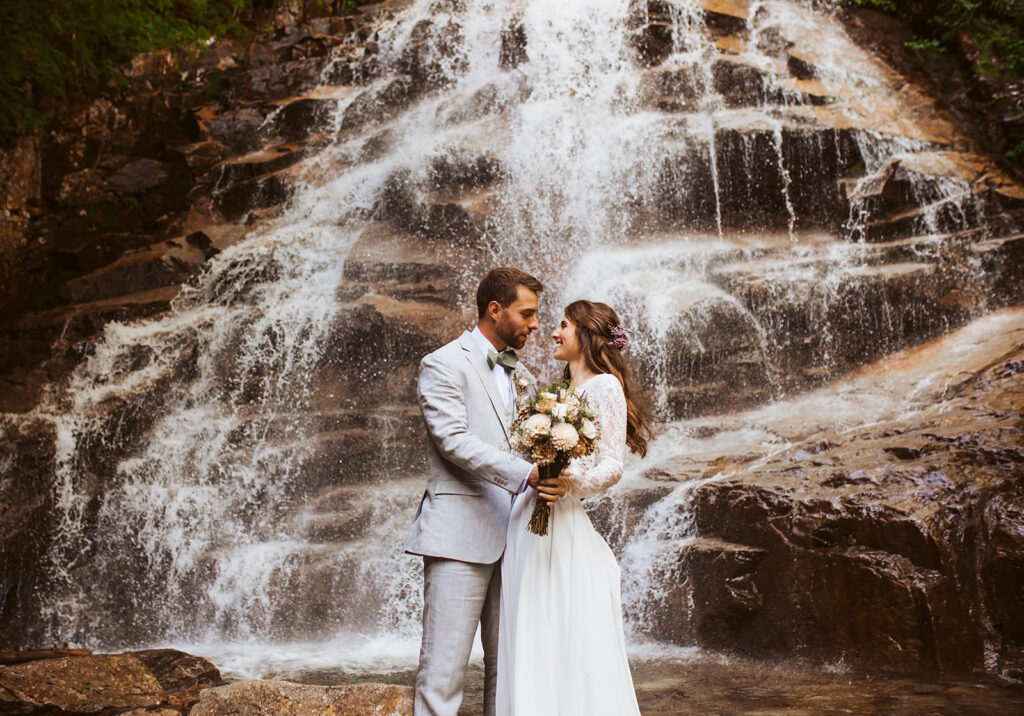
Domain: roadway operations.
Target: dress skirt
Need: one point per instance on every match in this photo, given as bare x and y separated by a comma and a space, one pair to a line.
561, 645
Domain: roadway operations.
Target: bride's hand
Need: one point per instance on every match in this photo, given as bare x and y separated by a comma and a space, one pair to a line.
553, 489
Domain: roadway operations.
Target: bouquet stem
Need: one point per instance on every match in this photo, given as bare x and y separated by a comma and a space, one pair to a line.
541, 510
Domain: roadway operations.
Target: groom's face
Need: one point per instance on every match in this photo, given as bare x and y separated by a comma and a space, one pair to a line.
514, 323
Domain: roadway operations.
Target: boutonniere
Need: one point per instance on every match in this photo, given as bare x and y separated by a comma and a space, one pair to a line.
522, 384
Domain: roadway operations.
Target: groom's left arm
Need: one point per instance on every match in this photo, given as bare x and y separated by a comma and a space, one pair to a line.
444, 411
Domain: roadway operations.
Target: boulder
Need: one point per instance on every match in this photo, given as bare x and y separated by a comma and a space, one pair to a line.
148, 682
80, 685
272, 698
183, 676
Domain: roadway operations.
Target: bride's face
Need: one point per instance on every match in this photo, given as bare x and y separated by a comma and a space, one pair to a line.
567, 345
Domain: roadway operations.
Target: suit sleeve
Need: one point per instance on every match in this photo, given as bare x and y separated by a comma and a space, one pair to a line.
444, 412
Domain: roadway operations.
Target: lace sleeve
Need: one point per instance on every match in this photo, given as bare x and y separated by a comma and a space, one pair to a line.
595, 473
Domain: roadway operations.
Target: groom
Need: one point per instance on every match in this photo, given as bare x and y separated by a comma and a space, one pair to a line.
468, 391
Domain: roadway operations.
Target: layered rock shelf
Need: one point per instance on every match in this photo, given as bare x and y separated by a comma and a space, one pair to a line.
896, 545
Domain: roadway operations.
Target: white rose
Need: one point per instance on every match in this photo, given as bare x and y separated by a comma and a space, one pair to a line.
563, 436
536, 426
588, 429
559, 411
545, 402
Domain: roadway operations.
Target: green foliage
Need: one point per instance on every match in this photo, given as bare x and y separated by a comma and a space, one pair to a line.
50, 49
883, 5
970, 40
927, 45
993, 30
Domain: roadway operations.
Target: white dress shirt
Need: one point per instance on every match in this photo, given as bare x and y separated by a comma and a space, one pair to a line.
502, 376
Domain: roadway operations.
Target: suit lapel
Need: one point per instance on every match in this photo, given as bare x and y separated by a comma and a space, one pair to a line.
479, 363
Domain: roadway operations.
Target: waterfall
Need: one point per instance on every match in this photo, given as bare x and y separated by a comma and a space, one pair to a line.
731, 222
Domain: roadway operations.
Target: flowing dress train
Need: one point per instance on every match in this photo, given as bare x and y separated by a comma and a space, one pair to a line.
561, 646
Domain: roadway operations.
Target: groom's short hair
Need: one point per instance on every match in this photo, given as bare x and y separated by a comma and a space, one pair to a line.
502, 285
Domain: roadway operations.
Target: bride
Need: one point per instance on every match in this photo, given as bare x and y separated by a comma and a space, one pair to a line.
561, 648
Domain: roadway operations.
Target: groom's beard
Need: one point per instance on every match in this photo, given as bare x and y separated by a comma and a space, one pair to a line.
506, 331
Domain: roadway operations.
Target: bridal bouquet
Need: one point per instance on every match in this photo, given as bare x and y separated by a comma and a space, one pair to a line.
554, 427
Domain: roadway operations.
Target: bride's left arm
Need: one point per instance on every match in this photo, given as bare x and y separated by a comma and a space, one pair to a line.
596, 473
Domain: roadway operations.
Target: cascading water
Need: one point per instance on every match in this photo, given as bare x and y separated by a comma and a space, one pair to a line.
186, 442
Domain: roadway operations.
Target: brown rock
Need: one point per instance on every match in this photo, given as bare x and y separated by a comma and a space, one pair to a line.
852, 548
140, 176
20, 175
85, 187
13, 247
183, 676
82, 684
168, 263
199, 156
8, 657
273, 698
146, 64
237, 129
382, 104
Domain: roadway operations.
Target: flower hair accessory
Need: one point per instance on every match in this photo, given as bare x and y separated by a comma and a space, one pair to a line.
620, 338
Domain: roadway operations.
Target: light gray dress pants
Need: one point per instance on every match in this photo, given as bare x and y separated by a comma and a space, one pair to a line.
456, 597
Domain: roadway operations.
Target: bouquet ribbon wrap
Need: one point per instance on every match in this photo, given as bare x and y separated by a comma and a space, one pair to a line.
541, 517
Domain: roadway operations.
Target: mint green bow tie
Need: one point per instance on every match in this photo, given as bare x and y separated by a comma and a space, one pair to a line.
506, 359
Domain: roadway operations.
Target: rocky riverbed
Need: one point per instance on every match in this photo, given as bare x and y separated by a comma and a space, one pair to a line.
166, 682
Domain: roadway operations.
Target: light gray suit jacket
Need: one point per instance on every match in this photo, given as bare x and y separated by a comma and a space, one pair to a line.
473, 473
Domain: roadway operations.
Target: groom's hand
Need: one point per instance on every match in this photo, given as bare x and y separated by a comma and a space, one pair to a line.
533, 478
552, 489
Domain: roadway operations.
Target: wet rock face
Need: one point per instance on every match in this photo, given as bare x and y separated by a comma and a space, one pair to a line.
26, 518
134, 165
899, 546
20, 195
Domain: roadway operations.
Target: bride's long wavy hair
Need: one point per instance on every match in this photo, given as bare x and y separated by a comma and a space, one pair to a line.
594, 323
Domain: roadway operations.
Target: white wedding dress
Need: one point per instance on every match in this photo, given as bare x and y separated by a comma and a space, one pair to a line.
561, 647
